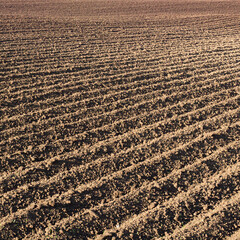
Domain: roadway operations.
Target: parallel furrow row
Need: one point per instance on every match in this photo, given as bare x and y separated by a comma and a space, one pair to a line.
80, 122
47, 84
124, 141
89, 172
107, 69
76, 101
224, 219
182, 209
135, 175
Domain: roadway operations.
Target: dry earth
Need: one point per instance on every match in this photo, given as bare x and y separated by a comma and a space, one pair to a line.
120, 119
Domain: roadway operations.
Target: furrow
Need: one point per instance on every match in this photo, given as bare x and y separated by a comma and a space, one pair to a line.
217, 223
105, 166
87, 96
176, 212
35, 101
37, 88
119, 210
119, 56
111, 59
75, 52
119, 121
160, 167
112, 124
62, 114
139, 79
152, 60
110, 146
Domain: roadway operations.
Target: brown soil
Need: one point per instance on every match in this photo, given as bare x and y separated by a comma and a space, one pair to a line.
120, 119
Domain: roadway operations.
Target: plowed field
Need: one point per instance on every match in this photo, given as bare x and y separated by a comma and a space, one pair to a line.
119, 119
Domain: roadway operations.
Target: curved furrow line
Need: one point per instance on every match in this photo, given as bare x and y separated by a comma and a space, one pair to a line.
219, 69
75, 69
131, 80
36, 170
157, 58
105, 81
75, 99
103, 124
87, 94
11, 103
44, 211
76, 50
74, 177
83, 91
103, 107
216, 223
179, 22
109, 44
101, 57
88, 152
109, 58
70, 179
108, 70
158, 89
69, 84
83, 68
86, 68
44, 25
92, 55
74, 42
137, 201
120, 123
122, 58
67, 111
160, 86
29, 88
157, 191
178, 211
66, 71
90, 126
105, 166
103, 52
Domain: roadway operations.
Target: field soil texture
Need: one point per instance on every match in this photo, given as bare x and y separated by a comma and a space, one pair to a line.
119, 119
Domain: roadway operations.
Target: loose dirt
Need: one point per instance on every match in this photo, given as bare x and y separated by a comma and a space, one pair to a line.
120, 119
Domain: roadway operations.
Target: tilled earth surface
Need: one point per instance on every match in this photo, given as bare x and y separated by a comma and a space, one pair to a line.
119, 119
